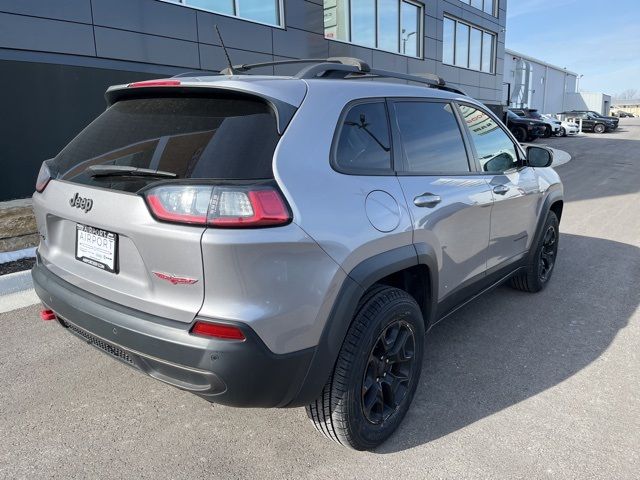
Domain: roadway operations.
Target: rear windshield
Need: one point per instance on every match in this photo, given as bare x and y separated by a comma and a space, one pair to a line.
191, 137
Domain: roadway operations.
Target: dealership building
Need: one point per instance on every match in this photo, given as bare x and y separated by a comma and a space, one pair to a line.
58, 57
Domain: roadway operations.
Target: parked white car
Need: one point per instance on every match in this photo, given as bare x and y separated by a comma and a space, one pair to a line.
566, 128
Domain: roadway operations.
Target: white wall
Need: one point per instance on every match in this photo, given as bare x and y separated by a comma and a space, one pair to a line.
549, 85
598, 102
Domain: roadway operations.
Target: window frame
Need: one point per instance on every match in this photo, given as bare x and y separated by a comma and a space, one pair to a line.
522, 157
333, 160
421, 9
280, 5
493, 35
401, 168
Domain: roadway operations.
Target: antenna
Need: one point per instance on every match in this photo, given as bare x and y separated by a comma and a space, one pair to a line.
226, 54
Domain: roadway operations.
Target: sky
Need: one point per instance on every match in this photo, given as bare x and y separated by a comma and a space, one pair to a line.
598, 39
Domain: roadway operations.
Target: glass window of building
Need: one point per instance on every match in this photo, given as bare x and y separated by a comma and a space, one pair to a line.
262, 11
448, 39
487, 6
467, 46
462, 45
391, 25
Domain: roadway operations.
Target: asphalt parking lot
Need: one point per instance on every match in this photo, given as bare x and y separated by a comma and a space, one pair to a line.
514, 385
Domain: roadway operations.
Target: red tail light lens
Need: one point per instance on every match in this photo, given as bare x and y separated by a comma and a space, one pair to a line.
217, 330
155, 83
44, 175
219, 206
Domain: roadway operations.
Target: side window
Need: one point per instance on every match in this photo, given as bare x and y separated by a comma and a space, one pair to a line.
363, 142
495, 150
431, 138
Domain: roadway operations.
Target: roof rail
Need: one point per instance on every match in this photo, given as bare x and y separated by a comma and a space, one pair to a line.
347, 68
245, 67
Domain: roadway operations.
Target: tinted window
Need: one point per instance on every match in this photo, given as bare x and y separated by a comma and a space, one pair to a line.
495, 150
431, 137
363, 143
224, 138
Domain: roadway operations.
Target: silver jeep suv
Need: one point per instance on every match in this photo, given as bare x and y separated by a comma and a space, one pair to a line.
268, 241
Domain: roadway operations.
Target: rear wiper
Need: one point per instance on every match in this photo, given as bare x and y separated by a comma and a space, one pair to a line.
126, 171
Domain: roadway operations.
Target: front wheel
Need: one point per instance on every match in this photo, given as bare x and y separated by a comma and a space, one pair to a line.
542, 260
599, 128
520, 133
547, 132
376, 374
563, 132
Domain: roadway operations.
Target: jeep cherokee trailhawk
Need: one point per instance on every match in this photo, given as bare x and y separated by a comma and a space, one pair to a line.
271, 241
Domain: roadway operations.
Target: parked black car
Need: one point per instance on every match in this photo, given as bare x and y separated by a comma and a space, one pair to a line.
552, 126
525, 129
623, 114
593, 121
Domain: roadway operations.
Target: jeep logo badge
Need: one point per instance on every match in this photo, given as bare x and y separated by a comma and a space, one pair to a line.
82, 203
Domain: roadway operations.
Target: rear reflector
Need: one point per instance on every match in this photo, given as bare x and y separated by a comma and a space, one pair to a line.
155, 83
217, 330
43, 177
47, 315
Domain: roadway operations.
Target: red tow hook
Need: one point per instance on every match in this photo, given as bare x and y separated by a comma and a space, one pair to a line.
47, 315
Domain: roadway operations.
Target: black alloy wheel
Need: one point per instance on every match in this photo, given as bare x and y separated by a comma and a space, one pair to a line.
389, 369
548, 253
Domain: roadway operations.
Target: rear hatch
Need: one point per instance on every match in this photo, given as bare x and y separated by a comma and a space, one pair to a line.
98, 231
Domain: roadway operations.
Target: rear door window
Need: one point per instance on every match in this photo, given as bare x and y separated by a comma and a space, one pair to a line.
191, 137
431, 138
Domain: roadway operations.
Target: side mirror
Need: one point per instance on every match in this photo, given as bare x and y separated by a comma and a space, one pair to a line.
539, 157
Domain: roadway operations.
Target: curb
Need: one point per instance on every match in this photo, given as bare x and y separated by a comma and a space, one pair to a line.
15, 282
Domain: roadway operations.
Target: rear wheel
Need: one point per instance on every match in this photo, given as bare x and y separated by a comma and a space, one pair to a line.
542, 261
599, 128
376, 374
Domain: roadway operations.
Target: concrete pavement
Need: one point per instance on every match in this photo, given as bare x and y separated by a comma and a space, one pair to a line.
514, 385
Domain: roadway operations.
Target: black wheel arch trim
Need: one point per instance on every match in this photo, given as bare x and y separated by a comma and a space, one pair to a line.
359, 279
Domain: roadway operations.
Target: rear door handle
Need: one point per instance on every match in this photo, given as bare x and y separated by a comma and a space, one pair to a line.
427, 199
500, 189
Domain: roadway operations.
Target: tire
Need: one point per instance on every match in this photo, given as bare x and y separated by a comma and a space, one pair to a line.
547, 132
599, 128
365, 372
563, 132
520, 133
542, 260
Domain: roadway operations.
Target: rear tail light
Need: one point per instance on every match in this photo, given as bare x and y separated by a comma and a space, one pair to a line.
44, 175
217, 330
228, 206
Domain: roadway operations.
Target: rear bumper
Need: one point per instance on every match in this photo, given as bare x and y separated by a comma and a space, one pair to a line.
243, 374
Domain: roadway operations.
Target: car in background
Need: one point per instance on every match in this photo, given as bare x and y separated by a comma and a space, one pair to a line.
525, 129
591, 121
623, 114
596, 115
553, 125
568, 128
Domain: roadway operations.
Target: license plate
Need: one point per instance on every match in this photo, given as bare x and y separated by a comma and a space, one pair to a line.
97, 247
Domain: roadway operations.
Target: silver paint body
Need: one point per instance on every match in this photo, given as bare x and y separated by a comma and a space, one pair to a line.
284, 281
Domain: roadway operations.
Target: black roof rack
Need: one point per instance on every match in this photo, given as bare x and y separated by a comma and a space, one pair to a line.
346, 68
